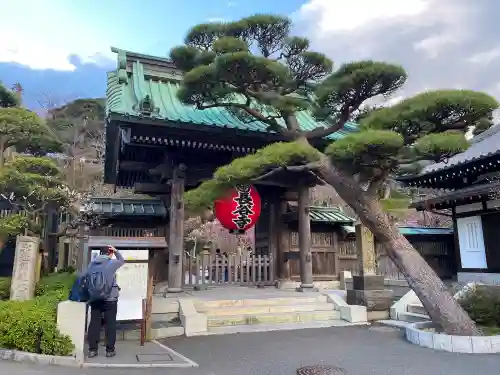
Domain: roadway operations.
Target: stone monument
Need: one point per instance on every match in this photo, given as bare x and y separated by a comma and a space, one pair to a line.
24, 273
368, 287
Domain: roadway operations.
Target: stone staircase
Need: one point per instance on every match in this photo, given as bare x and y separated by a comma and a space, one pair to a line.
257, 315
415, 313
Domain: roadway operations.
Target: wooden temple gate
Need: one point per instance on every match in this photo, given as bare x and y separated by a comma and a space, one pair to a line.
160, 147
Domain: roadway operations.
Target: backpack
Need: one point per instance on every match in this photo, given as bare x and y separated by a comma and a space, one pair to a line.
96, 283
78, 292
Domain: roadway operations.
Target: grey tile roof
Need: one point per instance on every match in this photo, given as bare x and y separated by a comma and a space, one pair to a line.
482, 146
128, 207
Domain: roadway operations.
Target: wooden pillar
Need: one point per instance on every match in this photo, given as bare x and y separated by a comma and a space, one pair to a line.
306, 276
83, 249
275, 236
176, 235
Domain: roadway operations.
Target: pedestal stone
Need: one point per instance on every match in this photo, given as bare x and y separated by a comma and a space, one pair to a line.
368, 282
24, 271
374, 300
368, 287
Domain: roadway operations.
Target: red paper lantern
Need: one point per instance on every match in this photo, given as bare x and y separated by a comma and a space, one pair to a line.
239, 209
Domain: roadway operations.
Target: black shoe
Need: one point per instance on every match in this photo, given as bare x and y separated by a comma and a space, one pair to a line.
92, 354
110, 353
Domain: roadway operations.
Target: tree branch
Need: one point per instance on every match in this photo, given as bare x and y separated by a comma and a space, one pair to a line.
311, 167
376, 183
323, 132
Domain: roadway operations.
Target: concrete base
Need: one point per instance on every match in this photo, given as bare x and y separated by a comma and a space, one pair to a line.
377, 315
374, 300
71, 321
306, 288
320, 285
174, 290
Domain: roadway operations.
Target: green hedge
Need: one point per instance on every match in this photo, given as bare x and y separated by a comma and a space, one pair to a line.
31, 325
483, 306
4, 288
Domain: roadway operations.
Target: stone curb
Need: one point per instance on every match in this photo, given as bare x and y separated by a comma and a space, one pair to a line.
450, 343
54, 360
38, 359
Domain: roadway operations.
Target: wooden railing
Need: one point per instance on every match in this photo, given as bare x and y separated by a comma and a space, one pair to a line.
131, 232
230, 269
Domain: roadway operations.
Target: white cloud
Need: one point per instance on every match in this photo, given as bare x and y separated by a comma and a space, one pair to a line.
434, 45
485, 57
440, 43
344, 16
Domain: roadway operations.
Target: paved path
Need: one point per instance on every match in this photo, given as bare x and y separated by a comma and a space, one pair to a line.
359, 350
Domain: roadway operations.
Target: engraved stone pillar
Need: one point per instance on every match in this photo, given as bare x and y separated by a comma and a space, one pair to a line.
24, 272
176, 235
368, 287
365, 246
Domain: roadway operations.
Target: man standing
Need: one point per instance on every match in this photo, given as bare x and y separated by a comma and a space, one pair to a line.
103, 293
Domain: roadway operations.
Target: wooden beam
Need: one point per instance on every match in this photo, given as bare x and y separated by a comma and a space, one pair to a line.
151, 188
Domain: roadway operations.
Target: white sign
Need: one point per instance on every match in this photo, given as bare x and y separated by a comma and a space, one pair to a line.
132, 278
131, 255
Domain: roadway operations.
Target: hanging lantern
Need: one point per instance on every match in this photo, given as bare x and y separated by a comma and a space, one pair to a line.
239, 209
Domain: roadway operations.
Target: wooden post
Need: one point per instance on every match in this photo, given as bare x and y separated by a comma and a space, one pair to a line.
149, 295
176, 235
274, 234
306, 276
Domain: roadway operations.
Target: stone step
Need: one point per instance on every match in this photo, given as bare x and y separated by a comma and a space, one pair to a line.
202, 305
166, 317
273, 318
276, 327
413, 317
416, 308
162, 305
131, 331
256, 310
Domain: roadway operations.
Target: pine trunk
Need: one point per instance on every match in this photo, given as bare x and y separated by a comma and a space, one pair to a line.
432, 292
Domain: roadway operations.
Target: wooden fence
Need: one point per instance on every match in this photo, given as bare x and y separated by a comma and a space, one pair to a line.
438, 254
230, 269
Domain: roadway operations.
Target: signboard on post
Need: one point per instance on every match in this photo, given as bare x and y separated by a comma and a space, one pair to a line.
132, 278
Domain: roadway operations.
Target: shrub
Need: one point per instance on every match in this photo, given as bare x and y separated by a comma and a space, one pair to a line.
5, 288
483, 305
31, 325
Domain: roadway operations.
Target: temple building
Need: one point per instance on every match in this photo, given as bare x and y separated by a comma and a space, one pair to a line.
469, 191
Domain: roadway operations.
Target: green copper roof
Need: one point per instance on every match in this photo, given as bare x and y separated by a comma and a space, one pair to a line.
410, 231
328, 215
318, 214
127, 207
140, 77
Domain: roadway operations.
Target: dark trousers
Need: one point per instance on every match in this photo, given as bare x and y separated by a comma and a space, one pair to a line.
99, 309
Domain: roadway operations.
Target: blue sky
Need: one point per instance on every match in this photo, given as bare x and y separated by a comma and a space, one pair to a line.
60, 49
55, 28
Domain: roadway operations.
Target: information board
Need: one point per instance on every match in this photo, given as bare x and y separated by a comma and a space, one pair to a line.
132, 279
